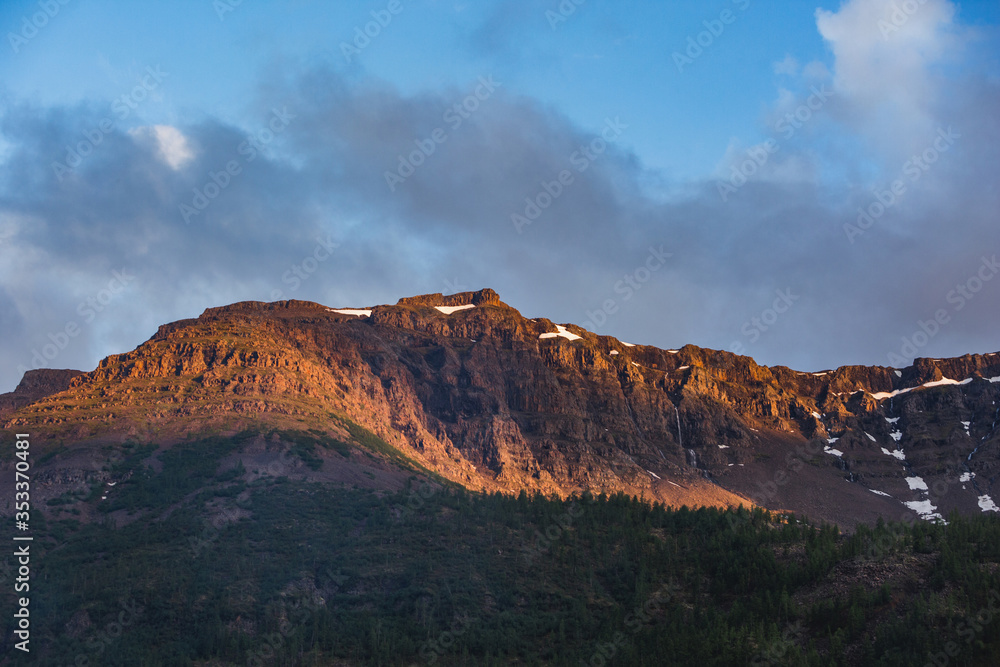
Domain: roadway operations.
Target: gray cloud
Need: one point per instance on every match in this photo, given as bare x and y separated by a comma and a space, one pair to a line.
321, 179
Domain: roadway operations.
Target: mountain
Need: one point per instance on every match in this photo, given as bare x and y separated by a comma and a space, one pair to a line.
463, 388
443, 481
34, 386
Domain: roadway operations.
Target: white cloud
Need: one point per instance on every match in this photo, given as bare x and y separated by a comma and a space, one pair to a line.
884, 66
789, 66
815, 70
171, 143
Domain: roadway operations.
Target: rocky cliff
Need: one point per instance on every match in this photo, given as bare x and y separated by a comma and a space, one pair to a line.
467, 388
36, 385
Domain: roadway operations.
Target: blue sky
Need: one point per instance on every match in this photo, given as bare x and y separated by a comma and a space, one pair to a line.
872, 93
604, 59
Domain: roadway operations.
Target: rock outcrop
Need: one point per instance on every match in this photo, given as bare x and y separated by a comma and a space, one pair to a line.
34, 386
467, 387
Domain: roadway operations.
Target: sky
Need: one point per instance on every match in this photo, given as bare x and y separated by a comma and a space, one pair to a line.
809, 184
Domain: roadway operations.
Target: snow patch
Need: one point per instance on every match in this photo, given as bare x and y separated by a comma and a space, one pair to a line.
819, 375
817, 415
916, 483
924, 508
987, 505
613, 352
448, 310
654, 474
832, 440
944, 381
870, 436
896, 435
568, 335
670, 351
937, 383
966, 476
899, 374
359, 312
723, 446
881, 493
898, 453
677, 485
996, 379
683, 368
835, 452
628, 344
892, 420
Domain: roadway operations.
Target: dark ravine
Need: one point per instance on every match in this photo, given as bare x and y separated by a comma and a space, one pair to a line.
478, 397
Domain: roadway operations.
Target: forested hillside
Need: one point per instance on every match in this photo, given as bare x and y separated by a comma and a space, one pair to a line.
274, 571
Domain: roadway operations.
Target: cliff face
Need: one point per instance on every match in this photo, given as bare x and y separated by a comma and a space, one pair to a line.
34, 386
469, 388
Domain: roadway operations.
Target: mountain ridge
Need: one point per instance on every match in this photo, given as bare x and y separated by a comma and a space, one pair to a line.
494, 401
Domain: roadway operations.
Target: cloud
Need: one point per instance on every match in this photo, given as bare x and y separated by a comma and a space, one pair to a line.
788, 66
170, 142
498, 33
888, 63
310, 173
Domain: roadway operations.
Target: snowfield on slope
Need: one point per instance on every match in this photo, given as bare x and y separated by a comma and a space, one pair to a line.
448, 310
937, 383
568, 335
358, 312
